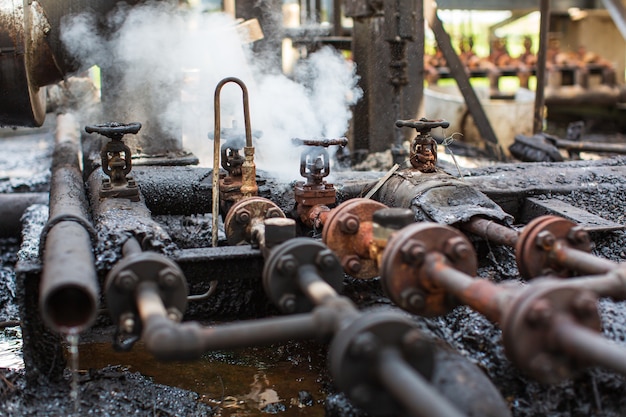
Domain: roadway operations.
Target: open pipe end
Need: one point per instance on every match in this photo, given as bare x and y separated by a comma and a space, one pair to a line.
70, 308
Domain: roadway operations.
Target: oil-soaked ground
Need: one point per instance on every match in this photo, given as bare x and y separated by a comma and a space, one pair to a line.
292, 379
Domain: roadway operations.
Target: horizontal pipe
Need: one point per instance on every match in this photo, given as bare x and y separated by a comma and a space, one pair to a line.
410, 388
168, 340
589, 346
479, 294
12, 208
491, 231
580, 261
69, 284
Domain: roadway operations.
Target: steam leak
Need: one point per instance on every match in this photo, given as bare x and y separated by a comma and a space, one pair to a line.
167, 53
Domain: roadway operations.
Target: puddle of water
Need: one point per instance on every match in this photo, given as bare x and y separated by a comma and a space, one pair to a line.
248, 382
11, 348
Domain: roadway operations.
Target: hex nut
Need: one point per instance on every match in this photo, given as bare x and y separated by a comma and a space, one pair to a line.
413, 252
349, 223
168, 277
326, 260
126, 280
242, 216
287, 265
273, 212
351, 264
457, 248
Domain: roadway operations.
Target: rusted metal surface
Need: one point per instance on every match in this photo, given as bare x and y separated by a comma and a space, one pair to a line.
348, 232
242, 217
490, 230
248, 186
406, 279
533, 338
116, 160
423, 150
69, 284
315, 195
551, 245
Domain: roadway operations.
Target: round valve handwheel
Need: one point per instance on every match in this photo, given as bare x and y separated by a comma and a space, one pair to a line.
403, 276
348, 233
533, 259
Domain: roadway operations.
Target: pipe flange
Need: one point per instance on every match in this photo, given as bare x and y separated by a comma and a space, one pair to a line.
280, 279
535, 243
244, 214
528, 324
126, 275
348, 231
402, 271
354, 353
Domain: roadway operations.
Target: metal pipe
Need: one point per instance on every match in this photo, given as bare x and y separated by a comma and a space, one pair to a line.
168, 340
480, 294
316, 289
580, 261
587, 345
612, 284
248, 170
490, 230
12, 208
410, 388
69, 283
544, 27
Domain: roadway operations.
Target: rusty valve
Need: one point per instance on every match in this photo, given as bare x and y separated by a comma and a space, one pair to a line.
116, 159
423, 154
315, 195
349, 232
247, 214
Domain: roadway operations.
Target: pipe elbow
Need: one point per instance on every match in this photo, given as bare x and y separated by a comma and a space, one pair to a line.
169, 341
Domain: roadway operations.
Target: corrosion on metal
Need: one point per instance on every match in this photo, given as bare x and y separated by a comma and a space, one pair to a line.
245, 214
348, 231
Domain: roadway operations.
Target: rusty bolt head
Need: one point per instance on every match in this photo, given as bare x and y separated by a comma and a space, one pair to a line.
413, 252
130, 182
579, 236
348, 223
351, 264
457, 249
326, 260
545, 240
287, 265
287, 303
364, 345
273, 212
539, 313
126, 280
412, 299
168, 277
242, 216
106, 184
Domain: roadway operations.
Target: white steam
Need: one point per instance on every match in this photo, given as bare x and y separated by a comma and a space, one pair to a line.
164, 53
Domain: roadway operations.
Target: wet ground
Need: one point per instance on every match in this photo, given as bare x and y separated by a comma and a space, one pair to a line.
292, 379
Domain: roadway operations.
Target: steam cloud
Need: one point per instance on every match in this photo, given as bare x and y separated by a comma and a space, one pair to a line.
154, 47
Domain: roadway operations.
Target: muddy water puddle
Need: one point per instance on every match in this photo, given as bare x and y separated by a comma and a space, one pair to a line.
248, 382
